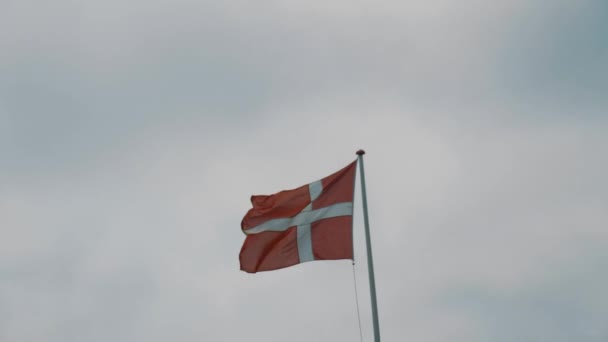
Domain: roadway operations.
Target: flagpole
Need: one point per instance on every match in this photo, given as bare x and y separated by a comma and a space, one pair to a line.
370, 258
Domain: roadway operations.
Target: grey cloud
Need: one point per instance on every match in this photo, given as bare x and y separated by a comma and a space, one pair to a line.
562, 305
133, 133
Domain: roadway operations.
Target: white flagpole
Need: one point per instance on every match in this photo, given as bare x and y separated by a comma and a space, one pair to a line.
370, 258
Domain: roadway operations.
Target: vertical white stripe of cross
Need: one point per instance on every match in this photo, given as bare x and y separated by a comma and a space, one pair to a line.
304, 237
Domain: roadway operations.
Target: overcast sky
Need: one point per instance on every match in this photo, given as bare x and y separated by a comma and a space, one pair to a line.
132, 134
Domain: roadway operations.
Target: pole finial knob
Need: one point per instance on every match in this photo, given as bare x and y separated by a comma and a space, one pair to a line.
360, 152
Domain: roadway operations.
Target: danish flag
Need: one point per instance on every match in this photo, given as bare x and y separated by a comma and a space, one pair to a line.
312, 222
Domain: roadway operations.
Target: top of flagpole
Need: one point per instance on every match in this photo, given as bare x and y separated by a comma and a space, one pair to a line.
360, 152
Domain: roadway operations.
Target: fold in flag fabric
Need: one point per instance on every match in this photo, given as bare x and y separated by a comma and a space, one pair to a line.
312, 222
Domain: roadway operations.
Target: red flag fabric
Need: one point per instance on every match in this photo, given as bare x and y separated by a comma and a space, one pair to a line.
312, 222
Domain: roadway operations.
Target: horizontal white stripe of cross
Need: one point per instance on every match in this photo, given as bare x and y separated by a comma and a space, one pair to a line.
303, 221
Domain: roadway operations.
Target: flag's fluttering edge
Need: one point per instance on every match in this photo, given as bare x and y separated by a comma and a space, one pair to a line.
312, 222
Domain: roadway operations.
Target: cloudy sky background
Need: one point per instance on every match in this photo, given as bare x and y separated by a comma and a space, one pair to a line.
132, 134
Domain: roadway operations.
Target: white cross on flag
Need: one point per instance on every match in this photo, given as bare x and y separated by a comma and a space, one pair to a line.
312, 222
